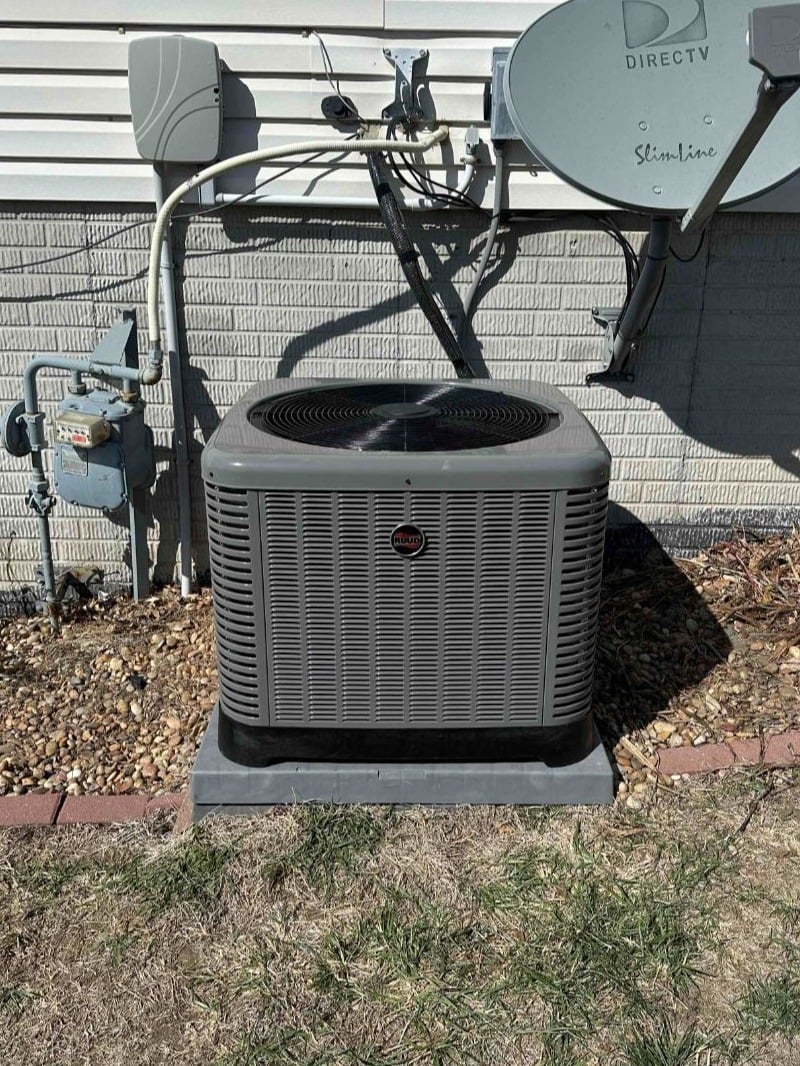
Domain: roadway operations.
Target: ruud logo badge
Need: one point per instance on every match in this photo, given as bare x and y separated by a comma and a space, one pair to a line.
407, 540
659, 28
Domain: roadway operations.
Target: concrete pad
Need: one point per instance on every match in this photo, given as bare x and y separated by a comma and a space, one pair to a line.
221, 786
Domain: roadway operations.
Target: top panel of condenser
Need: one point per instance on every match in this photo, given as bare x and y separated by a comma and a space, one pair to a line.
176, 99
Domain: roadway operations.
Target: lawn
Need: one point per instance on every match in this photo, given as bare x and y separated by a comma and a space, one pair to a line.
660, 936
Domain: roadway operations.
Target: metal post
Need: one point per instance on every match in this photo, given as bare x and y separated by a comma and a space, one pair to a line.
633, 323
180, 429
140, 560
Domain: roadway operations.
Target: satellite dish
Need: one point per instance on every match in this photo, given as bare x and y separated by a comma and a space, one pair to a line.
638, 103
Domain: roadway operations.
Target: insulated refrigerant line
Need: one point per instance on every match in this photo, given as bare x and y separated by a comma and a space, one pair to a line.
262, 155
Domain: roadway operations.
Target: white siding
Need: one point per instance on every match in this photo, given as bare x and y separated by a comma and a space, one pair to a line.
470, 16
251, 13
65, 131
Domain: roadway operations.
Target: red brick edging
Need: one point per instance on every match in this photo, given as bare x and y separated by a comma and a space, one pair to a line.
777, 751
58, 809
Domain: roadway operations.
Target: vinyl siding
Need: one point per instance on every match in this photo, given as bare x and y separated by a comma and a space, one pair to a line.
65, 130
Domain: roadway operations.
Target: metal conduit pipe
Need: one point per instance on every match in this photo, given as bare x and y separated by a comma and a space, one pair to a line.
30, 393
643, 299
262, 155
491, 239
179, 422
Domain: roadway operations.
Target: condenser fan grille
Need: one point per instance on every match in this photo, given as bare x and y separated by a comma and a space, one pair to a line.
397, 417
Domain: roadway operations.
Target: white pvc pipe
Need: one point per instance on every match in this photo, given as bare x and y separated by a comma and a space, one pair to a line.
260, 156
419, 203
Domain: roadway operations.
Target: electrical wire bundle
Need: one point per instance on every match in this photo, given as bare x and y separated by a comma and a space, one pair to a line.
424, 185
411, 178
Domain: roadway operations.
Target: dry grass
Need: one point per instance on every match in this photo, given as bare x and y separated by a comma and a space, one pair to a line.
370, 936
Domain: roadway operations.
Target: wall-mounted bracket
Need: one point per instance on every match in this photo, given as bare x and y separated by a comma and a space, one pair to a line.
610, 377
119, 347
608, 318
405, 106
772, 38
625, 326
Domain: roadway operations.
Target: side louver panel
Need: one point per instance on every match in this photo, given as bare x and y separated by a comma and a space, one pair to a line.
237, 602
576, 605
359, 636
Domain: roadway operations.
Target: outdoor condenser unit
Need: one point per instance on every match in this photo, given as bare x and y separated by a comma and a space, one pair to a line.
398, 562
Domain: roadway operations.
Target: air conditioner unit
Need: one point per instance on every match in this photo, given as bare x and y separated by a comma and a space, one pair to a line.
404, 566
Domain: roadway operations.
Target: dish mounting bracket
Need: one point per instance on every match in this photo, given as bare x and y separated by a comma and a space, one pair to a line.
608, 319
779, 60
625, 326
407, 80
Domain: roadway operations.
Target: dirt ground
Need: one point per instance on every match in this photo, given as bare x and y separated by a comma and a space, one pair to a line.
667, 936
689, 652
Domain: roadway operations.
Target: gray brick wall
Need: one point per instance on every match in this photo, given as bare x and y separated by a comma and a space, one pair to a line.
705, 439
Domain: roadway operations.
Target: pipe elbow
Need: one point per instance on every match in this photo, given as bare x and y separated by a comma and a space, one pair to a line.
151, 375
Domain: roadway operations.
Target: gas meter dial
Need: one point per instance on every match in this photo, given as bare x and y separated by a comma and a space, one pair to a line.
81, 430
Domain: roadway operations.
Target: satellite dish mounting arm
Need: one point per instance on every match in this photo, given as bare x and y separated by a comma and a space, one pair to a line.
625, 326
781, 81
781, 67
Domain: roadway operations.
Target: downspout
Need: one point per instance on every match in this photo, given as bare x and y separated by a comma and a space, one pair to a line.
180, 427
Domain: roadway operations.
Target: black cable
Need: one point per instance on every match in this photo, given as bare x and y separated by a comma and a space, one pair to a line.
457, 198
408, 256
333, 81
630, 258
426, 185
23, 267
694, 254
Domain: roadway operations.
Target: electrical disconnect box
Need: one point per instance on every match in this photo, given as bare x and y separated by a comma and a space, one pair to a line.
495, 107
103, 449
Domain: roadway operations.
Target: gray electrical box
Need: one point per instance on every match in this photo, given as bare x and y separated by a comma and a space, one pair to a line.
502, 127
104, 450
176, 98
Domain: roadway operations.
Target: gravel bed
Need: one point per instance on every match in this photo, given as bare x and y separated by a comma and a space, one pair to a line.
117, 704
689, 653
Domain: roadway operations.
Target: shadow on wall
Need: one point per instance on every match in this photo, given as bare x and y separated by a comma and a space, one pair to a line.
657, 637
720, 359
444, 246
728, 328
164, 508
